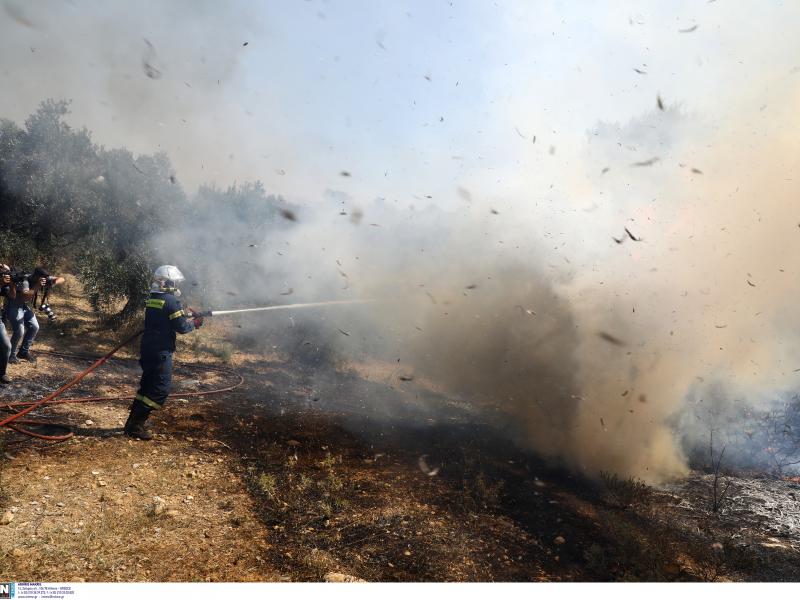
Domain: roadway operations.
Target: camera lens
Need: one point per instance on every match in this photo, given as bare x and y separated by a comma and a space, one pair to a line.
45, 308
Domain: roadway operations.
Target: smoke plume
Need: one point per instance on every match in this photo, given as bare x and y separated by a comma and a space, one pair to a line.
588, 286
589, 354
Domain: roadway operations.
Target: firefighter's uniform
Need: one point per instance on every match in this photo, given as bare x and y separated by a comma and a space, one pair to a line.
163, 319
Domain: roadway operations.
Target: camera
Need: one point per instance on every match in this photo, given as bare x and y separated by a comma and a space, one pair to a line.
45, 308
16, 275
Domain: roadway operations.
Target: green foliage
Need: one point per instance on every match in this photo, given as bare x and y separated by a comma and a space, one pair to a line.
106, 279
67, 200
247, 205
268, 484
17, 250
46, 169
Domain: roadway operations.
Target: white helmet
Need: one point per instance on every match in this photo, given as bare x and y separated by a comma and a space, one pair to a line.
166, 279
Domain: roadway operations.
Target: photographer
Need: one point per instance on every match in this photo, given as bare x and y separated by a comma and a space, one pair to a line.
7, 290
21, 316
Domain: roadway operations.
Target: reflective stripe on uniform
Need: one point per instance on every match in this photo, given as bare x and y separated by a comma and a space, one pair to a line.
155, 303
176, 314
147, 402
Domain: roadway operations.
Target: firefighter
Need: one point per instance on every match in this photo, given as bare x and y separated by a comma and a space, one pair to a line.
163, 319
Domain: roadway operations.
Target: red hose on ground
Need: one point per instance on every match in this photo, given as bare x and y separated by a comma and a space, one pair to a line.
14, 423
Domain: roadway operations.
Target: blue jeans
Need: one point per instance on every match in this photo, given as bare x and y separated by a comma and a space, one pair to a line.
5, 348
22, 321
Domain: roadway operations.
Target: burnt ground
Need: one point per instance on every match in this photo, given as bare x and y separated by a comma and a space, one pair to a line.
295, 477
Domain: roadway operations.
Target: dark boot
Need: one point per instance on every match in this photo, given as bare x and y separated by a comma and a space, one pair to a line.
136, 428
26, 355
4, 380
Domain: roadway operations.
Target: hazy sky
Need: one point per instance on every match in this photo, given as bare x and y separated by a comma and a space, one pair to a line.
411, 98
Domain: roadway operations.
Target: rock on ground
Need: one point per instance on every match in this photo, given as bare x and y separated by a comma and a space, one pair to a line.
334, 577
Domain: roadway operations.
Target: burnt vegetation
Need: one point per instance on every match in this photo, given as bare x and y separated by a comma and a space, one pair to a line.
625, 492
743, 437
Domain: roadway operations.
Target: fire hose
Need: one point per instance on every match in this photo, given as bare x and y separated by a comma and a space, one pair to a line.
20, 409
216, 313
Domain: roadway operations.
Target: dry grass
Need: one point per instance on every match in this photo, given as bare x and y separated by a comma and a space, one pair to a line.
209, 340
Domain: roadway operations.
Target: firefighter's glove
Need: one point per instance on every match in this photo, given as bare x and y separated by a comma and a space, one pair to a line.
198, 321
